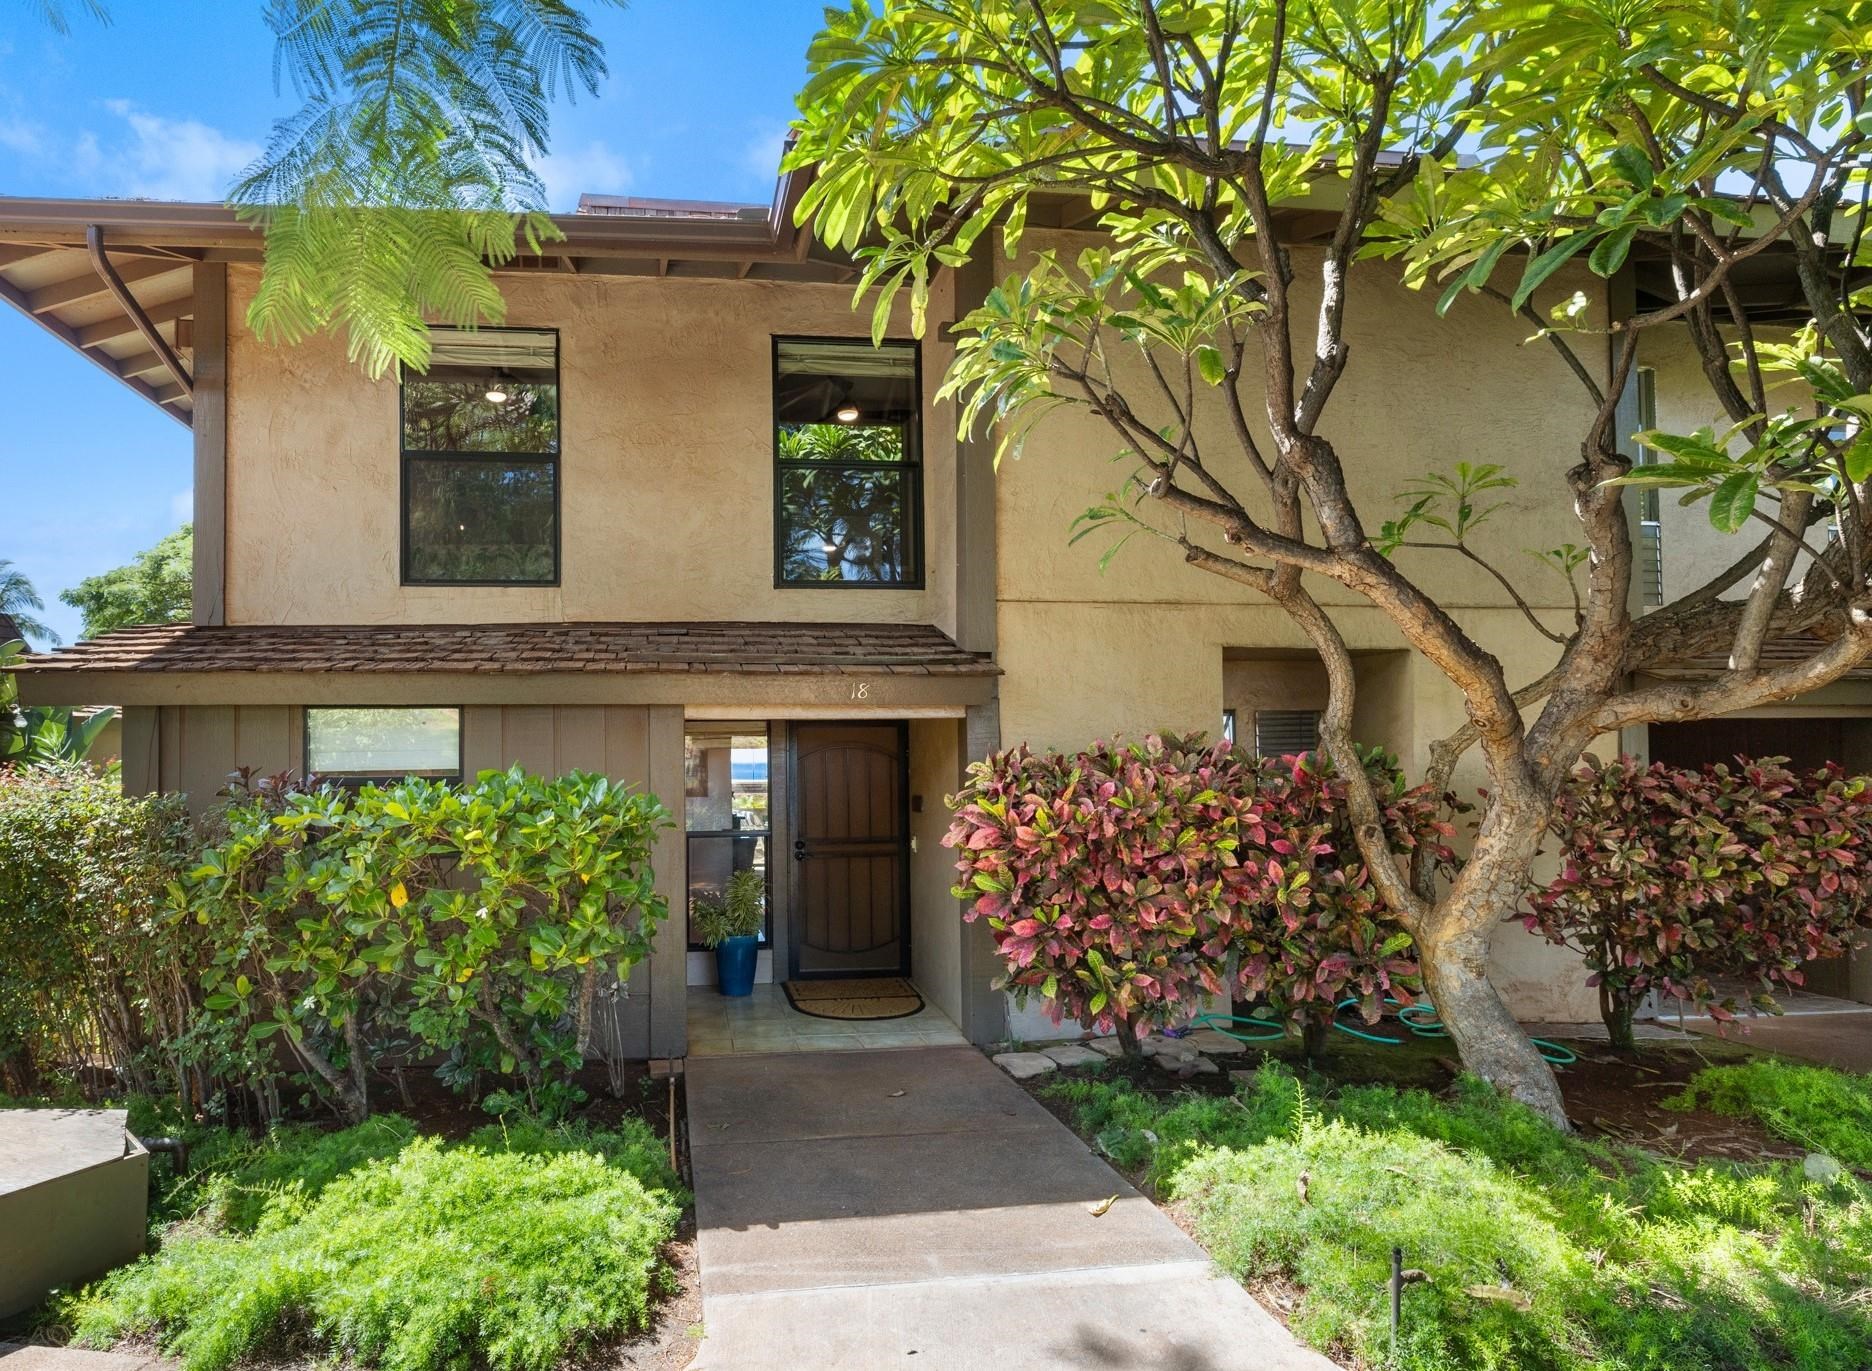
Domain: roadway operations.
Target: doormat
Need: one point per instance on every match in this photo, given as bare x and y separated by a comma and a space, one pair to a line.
859, 997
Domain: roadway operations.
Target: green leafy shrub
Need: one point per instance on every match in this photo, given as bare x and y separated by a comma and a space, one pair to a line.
483, 917
511, 1252
739, 911
1539, 1249
1811, 1106
91, 970
1671, 879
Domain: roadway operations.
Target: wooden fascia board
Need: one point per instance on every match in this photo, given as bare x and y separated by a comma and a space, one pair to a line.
832, 691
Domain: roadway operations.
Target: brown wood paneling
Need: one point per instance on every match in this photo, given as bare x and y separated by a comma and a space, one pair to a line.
142, 753
669, 959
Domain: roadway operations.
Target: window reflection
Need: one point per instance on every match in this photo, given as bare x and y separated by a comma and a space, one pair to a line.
725, 809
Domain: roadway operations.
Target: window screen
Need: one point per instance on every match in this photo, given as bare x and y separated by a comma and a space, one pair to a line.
1285, 732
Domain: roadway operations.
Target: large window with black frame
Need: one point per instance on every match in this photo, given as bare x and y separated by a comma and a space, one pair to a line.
481, 460
848, 457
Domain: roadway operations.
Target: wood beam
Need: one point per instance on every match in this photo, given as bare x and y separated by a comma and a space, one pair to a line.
16, 297
121, 326
209, 604
11, 253
91, 284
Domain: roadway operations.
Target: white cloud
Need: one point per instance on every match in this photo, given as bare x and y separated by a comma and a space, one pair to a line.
761, 156
162, 158
22, 136
182, 506
594, 167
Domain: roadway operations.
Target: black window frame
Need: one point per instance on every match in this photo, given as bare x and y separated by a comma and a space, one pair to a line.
912, 467
405, 455
353, 780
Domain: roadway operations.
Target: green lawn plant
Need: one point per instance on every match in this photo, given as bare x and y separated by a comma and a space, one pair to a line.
1538, 1251
1810, 1106
377, 1247
484, 917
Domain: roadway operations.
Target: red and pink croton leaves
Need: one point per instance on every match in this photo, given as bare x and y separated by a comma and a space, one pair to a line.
1672, 879
1126, 882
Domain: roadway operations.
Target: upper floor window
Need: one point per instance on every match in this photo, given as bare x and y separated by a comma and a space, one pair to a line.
481, 460
848, 452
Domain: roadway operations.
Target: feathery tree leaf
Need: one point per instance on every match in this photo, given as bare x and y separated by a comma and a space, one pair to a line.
406, 175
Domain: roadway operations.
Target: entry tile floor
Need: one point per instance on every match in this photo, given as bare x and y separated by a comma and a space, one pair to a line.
723, 1026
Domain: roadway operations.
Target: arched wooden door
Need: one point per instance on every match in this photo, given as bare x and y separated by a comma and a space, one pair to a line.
850, 857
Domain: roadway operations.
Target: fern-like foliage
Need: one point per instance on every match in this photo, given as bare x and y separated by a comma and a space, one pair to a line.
405, 176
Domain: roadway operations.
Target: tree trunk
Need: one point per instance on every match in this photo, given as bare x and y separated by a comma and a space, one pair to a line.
1127, 1038
1315, 1033
360, 1065
350, 1104
1454, 948
1617, 1008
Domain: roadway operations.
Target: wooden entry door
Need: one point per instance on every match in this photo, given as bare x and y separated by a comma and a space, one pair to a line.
851, 851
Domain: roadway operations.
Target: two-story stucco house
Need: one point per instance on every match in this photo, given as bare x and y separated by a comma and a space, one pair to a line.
680, 522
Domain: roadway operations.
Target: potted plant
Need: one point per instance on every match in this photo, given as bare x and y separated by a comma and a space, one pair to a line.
731, 924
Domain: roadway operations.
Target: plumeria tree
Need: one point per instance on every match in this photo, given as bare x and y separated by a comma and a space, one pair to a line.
1476, 149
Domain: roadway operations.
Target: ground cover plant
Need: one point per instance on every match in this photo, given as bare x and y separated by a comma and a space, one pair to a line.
1537, 1249
1810, 1106
521, 1245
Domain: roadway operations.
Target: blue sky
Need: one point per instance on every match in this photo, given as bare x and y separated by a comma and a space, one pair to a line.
165, 103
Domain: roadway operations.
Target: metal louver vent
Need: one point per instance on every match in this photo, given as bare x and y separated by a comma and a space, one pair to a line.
1283, 732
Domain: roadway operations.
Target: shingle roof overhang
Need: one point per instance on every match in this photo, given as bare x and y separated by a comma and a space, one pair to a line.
911, 665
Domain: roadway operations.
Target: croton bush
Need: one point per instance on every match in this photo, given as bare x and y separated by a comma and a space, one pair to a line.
478, 919
1326, 936
1674, 880
1127, 882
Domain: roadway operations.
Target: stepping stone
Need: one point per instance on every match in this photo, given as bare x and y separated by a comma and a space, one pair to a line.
1215, 1042
1073, 1054
1106, 1047
1185, 1067
1024, 1066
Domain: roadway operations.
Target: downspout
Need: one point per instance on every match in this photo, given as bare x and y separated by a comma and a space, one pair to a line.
94, 240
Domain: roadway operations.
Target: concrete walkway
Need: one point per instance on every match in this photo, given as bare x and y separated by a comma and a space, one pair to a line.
857, 1210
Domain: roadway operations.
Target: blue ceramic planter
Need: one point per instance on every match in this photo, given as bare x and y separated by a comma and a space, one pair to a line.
734, 965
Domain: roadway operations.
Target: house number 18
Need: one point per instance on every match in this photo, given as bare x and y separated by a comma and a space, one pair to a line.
861, 690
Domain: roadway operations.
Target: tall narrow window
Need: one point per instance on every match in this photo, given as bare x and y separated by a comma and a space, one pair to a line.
1650, 569
848, 453
725, 812
481, 460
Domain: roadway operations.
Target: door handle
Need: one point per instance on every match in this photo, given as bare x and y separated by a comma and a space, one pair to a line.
799, 849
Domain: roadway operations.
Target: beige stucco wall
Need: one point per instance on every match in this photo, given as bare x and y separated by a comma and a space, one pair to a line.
666, 487
935, 916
